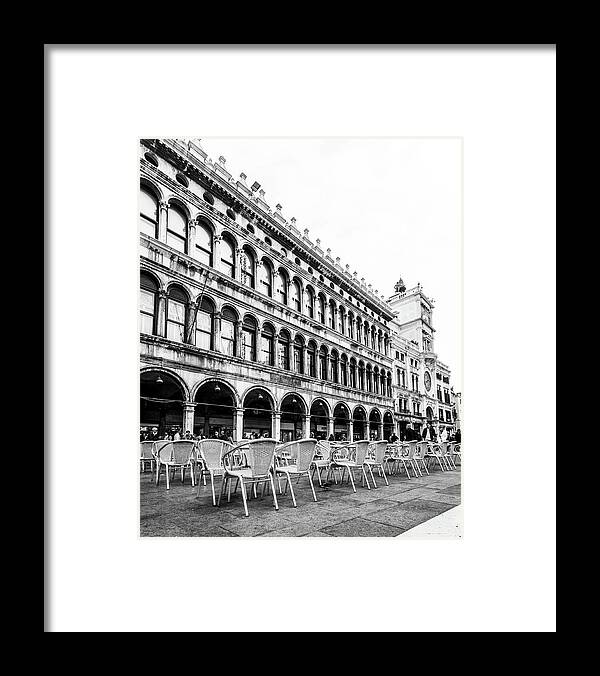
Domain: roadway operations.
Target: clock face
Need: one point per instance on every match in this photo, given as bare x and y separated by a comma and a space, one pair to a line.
427, 380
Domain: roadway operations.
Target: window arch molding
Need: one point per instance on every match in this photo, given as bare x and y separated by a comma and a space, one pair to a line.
204, 245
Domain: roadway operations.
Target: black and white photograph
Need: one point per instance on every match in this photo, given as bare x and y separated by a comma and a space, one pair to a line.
282, 392
300, 335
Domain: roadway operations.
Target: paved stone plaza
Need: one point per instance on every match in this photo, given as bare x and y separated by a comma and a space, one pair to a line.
386, 511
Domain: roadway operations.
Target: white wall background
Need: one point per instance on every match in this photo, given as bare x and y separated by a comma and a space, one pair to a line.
502, 101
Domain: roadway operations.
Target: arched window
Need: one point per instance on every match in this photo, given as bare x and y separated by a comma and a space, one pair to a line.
358, 330
335, 366
312, 359
298, 355
366, 333
283, 351
332, 313
267, 347
282, 286
369, 372
176, 314
323, 363
227, 263
249, 338
344, 370
204, 324
361, 376
376, 380
247, 267
177, 229
265, 278
204, 243
309, 301
353, 373
379, 341
351, 325
296, 295
148, 300
148, 212
321, 309
228, 337
342, 320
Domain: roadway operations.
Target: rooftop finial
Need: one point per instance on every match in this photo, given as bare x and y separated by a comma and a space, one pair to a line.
399, 287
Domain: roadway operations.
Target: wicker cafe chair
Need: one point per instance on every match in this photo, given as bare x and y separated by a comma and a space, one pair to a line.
418, 457
175, 455
322, 459
376, 458
435, 452
447, 454
404, 454
209, 455
456, 452
255, 468
351, 461
147, 455
390, 458
299, 463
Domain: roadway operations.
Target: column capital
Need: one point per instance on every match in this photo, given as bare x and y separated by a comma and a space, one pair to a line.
164, 205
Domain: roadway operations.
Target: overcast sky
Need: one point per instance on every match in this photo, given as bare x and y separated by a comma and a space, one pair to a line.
388, 207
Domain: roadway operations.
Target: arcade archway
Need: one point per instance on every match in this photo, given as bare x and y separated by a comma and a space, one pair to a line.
319, 419
388, 425
374, 424
214, 415
258, 413
341, 419
293, 411
161, 401
360, 423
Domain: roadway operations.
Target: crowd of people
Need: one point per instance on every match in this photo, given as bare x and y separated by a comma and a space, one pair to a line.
408, 434
175, 434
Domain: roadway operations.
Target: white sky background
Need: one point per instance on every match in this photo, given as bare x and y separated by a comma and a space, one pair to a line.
388, 207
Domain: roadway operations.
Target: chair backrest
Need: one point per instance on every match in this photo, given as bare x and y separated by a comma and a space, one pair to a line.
361, 450
445, 446
324, 448
258, 453
421, 448
436, 449
146, 450
301, 451
456, 448
378, 449
178, 452
343, 451
412, 450
158, 445
211, 451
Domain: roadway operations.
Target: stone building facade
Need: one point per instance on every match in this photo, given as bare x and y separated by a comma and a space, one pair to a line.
248, 326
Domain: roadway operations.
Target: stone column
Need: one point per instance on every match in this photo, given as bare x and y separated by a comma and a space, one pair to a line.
162, 221
276, 424
191, 238
329, 426
350, 430
306, 429
379, 431
304, 359
188, 416
161, 314
239, 424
